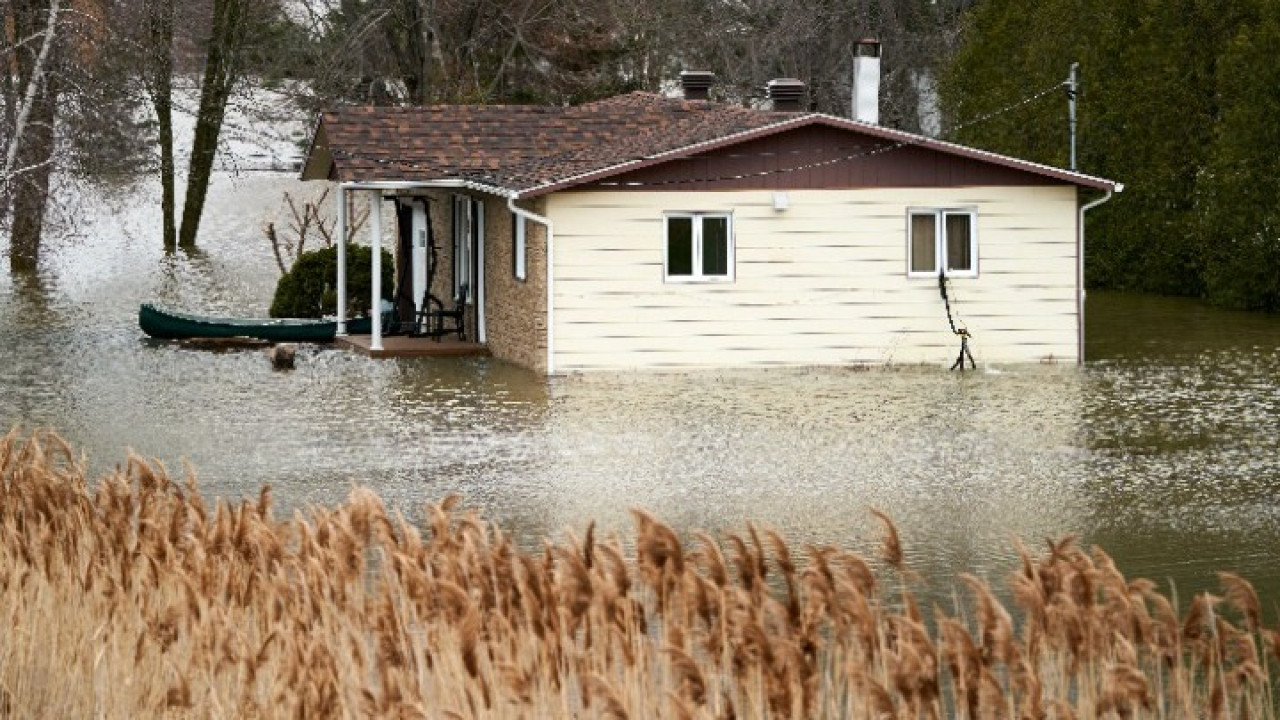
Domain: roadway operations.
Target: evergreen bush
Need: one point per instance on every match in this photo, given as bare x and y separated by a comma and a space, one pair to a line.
308, 290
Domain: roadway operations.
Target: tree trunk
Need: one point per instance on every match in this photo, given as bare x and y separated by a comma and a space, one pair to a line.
160, 63
33, 73
222, 69
27, 168
31, 188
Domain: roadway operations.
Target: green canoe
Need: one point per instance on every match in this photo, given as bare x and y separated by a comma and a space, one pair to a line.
170, 325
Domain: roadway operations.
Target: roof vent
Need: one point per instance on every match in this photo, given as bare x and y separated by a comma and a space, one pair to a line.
866, 81
697, 84
786, 94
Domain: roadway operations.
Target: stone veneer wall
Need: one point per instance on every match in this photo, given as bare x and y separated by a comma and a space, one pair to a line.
516, 318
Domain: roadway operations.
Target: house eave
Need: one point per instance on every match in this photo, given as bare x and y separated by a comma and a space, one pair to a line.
901, 138
435, 184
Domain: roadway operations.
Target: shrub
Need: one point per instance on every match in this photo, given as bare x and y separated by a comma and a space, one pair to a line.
308, 290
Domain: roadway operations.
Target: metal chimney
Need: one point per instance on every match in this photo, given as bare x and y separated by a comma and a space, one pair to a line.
866, 81
786, 94
697, 84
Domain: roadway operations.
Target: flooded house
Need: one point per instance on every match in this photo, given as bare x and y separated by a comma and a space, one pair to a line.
647, 231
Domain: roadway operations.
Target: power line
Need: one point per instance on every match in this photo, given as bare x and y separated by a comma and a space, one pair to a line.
1008, 108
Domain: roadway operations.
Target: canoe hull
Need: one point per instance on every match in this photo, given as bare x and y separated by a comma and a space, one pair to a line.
170, 325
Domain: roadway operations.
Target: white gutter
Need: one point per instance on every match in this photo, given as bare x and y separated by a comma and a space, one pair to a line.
450, 184
551, 278
1080, 266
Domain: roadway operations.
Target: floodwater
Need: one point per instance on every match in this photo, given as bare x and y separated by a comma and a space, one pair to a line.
1164, 449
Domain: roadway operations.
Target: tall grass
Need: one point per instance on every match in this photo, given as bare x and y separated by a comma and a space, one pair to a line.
134, 597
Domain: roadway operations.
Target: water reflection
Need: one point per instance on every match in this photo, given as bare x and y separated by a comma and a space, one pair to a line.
1184, 433
1165, 448
810, 451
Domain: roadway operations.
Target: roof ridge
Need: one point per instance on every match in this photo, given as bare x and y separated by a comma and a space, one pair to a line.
539, 148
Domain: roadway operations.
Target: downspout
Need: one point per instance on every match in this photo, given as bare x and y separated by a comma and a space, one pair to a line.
551, 278
1080, 266
342, 260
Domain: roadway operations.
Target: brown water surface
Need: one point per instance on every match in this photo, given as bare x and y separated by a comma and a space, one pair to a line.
1164, 448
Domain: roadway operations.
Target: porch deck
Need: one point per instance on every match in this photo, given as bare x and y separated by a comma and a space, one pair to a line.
399, 346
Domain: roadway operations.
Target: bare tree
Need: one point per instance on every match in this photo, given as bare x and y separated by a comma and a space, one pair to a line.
748, 42
311, 222
35, 77
223, 68
157, 73
66, 107
34, 35
466, 51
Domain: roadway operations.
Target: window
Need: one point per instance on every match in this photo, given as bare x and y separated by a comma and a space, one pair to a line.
518, 247
699, 247
942, 238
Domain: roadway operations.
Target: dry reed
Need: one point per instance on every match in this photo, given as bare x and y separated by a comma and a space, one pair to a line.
136, 598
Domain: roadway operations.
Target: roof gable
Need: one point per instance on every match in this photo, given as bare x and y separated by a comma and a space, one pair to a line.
645, 140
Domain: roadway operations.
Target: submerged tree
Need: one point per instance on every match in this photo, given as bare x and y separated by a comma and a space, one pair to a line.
157, 73
33, 40
223, 68
65, 108
216, 43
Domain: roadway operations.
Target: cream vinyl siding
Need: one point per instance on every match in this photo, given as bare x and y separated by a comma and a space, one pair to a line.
823, 282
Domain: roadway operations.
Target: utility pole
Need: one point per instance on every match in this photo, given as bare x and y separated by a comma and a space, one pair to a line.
1073, 89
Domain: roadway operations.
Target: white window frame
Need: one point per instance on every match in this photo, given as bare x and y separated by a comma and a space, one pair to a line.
940, 215
697, 276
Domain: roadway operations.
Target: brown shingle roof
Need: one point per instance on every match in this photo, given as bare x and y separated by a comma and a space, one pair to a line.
516, 147
528, 150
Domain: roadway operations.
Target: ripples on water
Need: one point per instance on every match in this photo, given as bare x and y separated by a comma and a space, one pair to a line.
1165, 449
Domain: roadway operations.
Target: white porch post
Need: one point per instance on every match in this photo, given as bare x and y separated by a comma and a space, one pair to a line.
342, 260
375, 244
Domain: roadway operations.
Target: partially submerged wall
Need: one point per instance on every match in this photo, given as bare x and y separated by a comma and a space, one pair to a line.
822, 282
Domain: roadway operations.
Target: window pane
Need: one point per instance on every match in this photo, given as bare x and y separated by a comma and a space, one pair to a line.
923, 244
959, 242
679, 246
715, 246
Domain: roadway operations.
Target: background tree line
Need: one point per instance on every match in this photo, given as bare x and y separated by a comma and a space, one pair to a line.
1178, 102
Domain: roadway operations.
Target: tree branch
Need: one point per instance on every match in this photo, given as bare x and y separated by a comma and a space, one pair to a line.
29, 97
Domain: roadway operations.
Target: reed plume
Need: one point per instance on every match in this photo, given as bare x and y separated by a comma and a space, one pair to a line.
133, 596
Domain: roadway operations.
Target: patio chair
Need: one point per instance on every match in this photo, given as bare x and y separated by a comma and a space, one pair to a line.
434, 320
